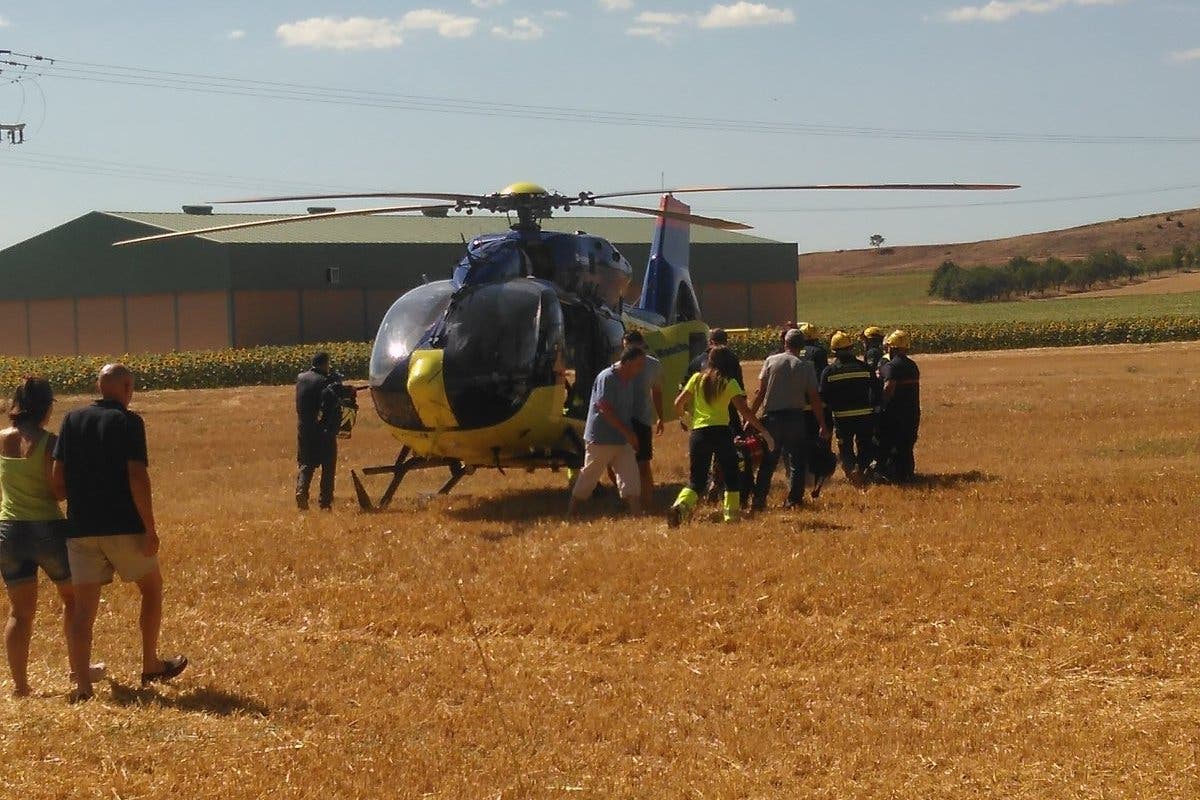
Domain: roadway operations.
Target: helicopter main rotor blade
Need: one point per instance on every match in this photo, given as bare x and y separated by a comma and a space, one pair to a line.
695, 219
938, 187
356, 195
360, 212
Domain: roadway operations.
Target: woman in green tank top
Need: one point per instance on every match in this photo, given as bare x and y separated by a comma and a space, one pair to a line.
31, 524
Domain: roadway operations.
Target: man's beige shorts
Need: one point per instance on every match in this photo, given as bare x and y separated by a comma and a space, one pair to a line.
93, 559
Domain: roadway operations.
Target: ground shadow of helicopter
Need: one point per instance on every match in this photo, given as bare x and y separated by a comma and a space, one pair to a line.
493, 367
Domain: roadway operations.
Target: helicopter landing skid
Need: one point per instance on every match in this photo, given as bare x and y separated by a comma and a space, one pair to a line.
406, 462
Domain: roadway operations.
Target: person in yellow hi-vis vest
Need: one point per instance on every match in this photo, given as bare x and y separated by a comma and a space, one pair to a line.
705, 399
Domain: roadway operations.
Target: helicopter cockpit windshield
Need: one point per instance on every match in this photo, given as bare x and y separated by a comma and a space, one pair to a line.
407, 323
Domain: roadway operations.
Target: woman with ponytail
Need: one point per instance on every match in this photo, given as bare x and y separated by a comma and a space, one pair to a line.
705, 399
31, 524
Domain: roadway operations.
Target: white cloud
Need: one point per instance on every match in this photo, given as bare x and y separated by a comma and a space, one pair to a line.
654, 19
449, 25
353, 33
616, 5
487, 3
3, 22
655, 32
743, 14
523, 29
1004, 10
364, 33
234, 35
555, 13
1182, 56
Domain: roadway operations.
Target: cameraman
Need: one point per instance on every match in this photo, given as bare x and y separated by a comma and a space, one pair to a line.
319, 392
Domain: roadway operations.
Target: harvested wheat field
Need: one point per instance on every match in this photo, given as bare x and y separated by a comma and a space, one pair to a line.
1020, 624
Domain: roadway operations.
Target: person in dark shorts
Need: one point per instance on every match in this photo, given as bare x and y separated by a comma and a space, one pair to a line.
32, 528
647, 412
318, 417
100, 465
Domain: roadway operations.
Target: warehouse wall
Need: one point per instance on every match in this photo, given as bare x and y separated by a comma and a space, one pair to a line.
203, 320
746, 305
14, 330
114, 325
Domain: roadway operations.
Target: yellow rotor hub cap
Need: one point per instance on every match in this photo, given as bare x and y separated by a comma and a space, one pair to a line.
523, 188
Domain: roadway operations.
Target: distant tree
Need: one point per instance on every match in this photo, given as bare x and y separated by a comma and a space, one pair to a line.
945, 280
1177, 253
877, 241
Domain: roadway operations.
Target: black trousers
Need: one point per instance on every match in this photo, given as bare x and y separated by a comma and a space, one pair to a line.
898, 463
789, 429
324, 457
705, 444
856, 442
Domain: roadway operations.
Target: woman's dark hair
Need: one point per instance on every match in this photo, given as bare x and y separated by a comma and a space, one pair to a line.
722, 368
31, 401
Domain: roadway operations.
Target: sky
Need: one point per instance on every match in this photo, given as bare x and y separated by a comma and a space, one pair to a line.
1091, 105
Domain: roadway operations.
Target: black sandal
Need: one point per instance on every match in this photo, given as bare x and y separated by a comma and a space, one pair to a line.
171, 668
77, 696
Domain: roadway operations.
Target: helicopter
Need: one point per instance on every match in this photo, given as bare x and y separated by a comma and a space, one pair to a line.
493, 367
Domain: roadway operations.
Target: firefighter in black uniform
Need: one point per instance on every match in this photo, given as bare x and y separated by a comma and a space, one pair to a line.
873, 348
319, 415
848, 389
814, 350
901, 416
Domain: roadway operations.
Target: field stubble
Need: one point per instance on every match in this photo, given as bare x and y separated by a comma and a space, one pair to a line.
1022, 623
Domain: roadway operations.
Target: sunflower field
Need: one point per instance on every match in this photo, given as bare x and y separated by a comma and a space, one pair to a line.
199, 369
266, 366
964, 337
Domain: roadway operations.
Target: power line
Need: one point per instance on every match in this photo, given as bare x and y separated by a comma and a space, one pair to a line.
298, 92
118, 169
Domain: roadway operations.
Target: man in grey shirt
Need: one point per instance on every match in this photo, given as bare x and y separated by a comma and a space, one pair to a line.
608, 437
786, 385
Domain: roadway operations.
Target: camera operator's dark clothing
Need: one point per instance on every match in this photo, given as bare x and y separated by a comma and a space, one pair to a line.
318, 416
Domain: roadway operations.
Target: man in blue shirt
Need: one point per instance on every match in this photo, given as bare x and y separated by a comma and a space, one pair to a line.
609, 438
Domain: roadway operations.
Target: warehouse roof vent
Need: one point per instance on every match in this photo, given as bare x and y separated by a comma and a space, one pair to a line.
321, 209
199, 211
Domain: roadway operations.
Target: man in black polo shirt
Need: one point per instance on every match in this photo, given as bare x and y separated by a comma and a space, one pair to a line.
100, 464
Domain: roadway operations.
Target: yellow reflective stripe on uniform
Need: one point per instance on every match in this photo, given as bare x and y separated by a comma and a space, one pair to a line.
845, 376
856, 412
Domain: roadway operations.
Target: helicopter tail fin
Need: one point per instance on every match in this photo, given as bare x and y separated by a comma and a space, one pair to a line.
667, 290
